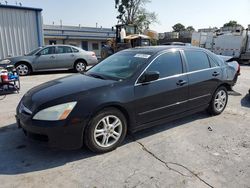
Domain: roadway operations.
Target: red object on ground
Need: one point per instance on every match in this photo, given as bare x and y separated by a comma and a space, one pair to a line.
4, 76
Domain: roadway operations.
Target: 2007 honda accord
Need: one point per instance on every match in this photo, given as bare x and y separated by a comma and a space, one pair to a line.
131, 90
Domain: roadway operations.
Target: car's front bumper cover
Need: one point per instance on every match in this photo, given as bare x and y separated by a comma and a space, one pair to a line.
66, 134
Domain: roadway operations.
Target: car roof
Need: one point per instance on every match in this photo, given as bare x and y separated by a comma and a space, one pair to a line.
60, 45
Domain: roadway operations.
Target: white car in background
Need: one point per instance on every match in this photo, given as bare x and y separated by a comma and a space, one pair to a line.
53, 57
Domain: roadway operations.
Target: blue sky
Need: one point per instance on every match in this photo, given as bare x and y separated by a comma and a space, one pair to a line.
198, 13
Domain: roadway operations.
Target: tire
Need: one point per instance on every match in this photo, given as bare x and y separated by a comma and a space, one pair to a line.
80, 66
99, 136
23, 69
218, 102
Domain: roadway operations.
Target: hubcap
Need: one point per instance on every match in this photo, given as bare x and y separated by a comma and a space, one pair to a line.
80, 67
220, 100
22, 69
108, 131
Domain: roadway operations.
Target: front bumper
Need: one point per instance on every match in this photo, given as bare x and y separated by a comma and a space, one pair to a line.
66, 134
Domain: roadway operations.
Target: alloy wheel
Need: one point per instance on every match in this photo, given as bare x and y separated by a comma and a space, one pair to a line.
220, 100
108, 131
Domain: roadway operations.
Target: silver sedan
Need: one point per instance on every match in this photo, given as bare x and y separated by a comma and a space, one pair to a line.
55, 57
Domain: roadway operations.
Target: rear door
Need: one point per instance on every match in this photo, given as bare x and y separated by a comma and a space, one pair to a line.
45, 59
65, 57
204, 76
166, 96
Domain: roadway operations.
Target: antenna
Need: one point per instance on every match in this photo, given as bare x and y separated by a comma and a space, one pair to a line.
6, 2
20, 4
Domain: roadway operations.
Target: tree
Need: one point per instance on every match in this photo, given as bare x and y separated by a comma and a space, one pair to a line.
133, 12
190, 28
231, 23
178, 27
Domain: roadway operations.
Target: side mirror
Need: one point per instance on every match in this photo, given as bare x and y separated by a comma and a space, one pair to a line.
38, 54
149, 77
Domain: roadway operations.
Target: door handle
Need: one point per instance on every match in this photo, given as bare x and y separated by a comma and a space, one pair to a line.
52, 57
181, 82
216, 74
72, 55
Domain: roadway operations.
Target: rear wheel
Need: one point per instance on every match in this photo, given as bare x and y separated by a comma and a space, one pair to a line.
23, 69
106, 131
80, 66
219, 101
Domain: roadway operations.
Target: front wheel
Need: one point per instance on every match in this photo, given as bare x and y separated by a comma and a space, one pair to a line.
23, 69
219, 101
106, 131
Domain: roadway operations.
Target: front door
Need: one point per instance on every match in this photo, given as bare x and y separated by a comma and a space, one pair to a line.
166, 96
45, 59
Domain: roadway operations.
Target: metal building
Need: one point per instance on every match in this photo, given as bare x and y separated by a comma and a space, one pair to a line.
20, 30
87, 38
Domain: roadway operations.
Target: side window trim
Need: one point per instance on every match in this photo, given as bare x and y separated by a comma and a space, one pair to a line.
164, 52
209, 57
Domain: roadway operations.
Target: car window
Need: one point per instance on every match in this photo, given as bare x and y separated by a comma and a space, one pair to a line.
48, 51
197, 60
213, 63
33, 52
63, 49
75, 50
168, 64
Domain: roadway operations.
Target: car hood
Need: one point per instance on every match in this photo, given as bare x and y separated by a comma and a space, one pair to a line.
63, 87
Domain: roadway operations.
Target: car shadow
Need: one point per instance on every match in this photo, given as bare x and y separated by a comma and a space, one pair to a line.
245, 101
20, 155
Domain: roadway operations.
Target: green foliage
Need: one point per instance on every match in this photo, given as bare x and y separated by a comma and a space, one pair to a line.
133, 12
178, 27
231, 23
190, 28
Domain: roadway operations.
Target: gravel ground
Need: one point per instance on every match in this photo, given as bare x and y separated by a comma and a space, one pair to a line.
196, 151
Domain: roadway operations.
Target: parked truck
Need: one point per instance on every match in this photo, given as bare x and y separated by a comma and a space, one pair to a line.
234, 42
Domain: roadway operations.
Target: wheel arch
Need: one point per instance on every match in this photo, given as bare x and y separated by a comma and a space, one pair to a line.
80, 59
26, 63
226, 85
117, 106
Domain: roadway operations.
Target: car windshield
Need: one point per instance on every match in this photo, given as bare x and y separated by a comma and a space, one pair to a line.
119, 66
33, 52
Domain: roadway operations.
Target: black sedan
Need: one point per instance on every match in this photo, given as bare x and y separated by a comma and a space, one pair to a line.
131, 90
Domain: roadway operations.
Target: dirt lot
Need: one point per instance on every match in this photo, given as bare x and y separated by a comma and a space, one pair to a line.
196, 151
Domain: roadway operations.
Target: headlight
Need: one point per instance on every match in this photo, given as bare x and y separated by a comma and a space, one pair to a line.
5, 62
55, 113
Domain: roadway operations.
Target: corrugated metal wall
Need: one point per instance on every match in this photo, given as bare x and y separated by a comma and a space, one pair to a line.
20, 31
